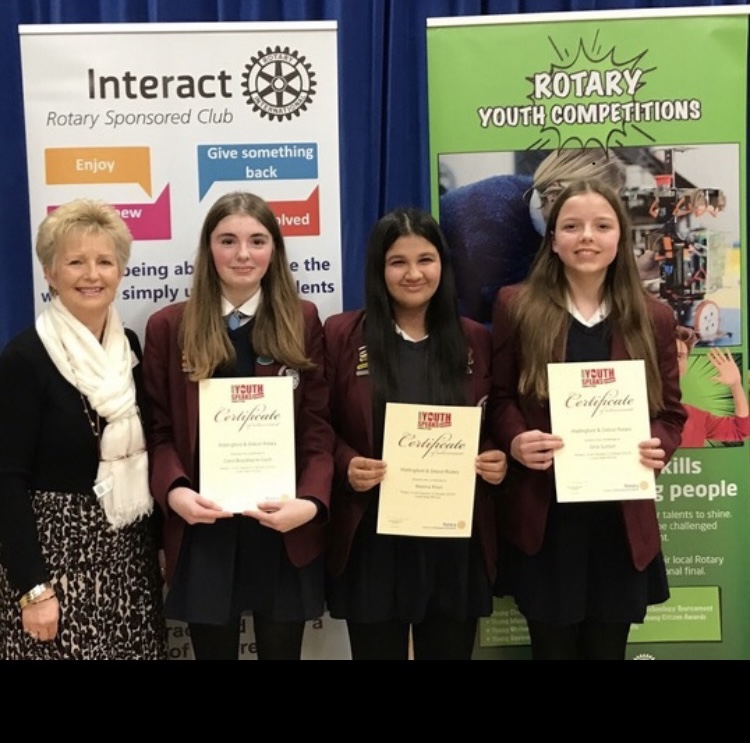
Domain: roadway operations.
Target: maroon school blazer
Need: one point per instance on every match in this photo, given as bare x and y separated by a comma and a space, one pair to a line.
523, 507
351, 416
173, 439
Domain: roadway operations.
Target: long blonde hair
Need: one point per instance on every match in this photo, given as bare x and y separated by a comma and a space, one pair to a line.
540, 313
278, 329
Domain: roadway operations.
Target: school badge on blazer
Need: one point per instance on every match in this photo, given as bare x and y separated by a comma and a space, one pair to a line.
285, 371
362, 367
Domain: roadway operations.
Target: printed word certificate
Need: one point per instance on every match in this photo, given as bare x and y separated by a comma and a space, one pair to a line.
246, 441
429, 450
600, 409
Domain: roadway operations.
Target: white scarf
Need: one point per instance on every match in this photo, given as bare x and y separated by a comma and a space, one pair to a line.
102, 372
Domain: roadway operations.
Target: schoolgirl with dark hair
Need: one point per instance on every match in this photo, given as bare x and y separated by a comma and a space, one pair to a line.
407, 345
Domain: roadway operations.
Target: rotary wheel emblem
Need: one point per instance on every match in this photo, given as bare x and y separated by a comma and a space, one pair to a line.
279, 83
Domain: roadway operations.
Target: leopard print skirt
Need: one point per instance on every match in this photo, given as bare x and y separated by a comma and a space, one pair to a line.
107, 583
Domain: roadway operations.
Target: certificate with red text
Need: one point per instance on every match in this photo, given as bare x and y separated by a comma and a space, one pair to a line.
246, 444
430, 453
600, 409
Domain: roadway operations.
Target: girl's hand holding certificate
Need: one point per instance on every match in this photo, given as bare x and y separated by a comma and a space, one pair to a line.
535, 449
652, 455
364, 473
492, 466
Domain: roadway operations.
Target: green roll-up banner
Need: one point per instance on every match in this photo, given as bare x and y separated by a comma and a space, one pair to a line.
664, 92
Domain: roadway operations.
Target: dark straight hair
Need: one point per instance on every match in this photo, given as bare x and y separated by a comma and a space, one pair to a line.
445, 383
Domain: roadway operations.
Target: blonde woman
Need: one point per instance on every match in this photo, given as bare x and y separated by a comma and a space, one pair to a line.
79, 576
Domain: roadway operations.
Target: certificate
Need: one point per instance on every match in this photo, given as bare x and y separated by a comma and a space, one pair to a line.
600, 409
429, 450
246, 439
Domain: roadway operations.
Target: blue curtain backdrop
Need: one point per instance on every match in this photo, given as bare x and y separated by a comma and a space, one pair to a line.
383, 105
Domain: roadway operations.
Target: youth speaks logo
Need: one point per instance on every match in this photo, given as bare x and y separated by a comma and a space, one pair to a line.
279, 83
245, 392
595, 377
427, 420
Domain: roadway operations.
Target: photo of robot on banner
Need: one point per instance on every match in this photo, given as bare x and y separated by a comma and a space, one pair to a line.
684, 204
680, 259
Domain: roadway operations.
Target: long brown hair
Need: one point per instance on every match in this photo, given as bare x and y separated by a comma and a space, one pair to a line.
540, 314
278, 330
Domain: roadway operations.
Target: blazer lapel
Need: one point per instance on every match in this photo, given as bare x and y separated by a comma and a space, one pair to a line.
191, 412
364, 400
362, 380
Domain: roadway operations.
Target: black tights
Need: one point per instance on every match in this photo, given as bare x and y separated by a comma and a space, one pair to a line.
588, 640
273, 640
438, 637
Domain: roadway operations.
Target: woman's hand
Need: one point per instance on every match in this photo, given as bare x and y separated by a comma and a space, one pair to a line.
492, 466
285, 515
193, 507
652, 455
40, 619
364, 473
535, 449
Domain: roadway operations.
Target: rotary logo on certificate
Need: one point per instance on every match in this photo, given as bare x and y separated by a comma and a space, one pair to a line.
600, 410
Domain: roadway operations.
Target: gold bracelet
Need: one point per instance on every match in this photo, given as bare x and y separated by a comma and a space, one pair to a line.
42, 600
34, 593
